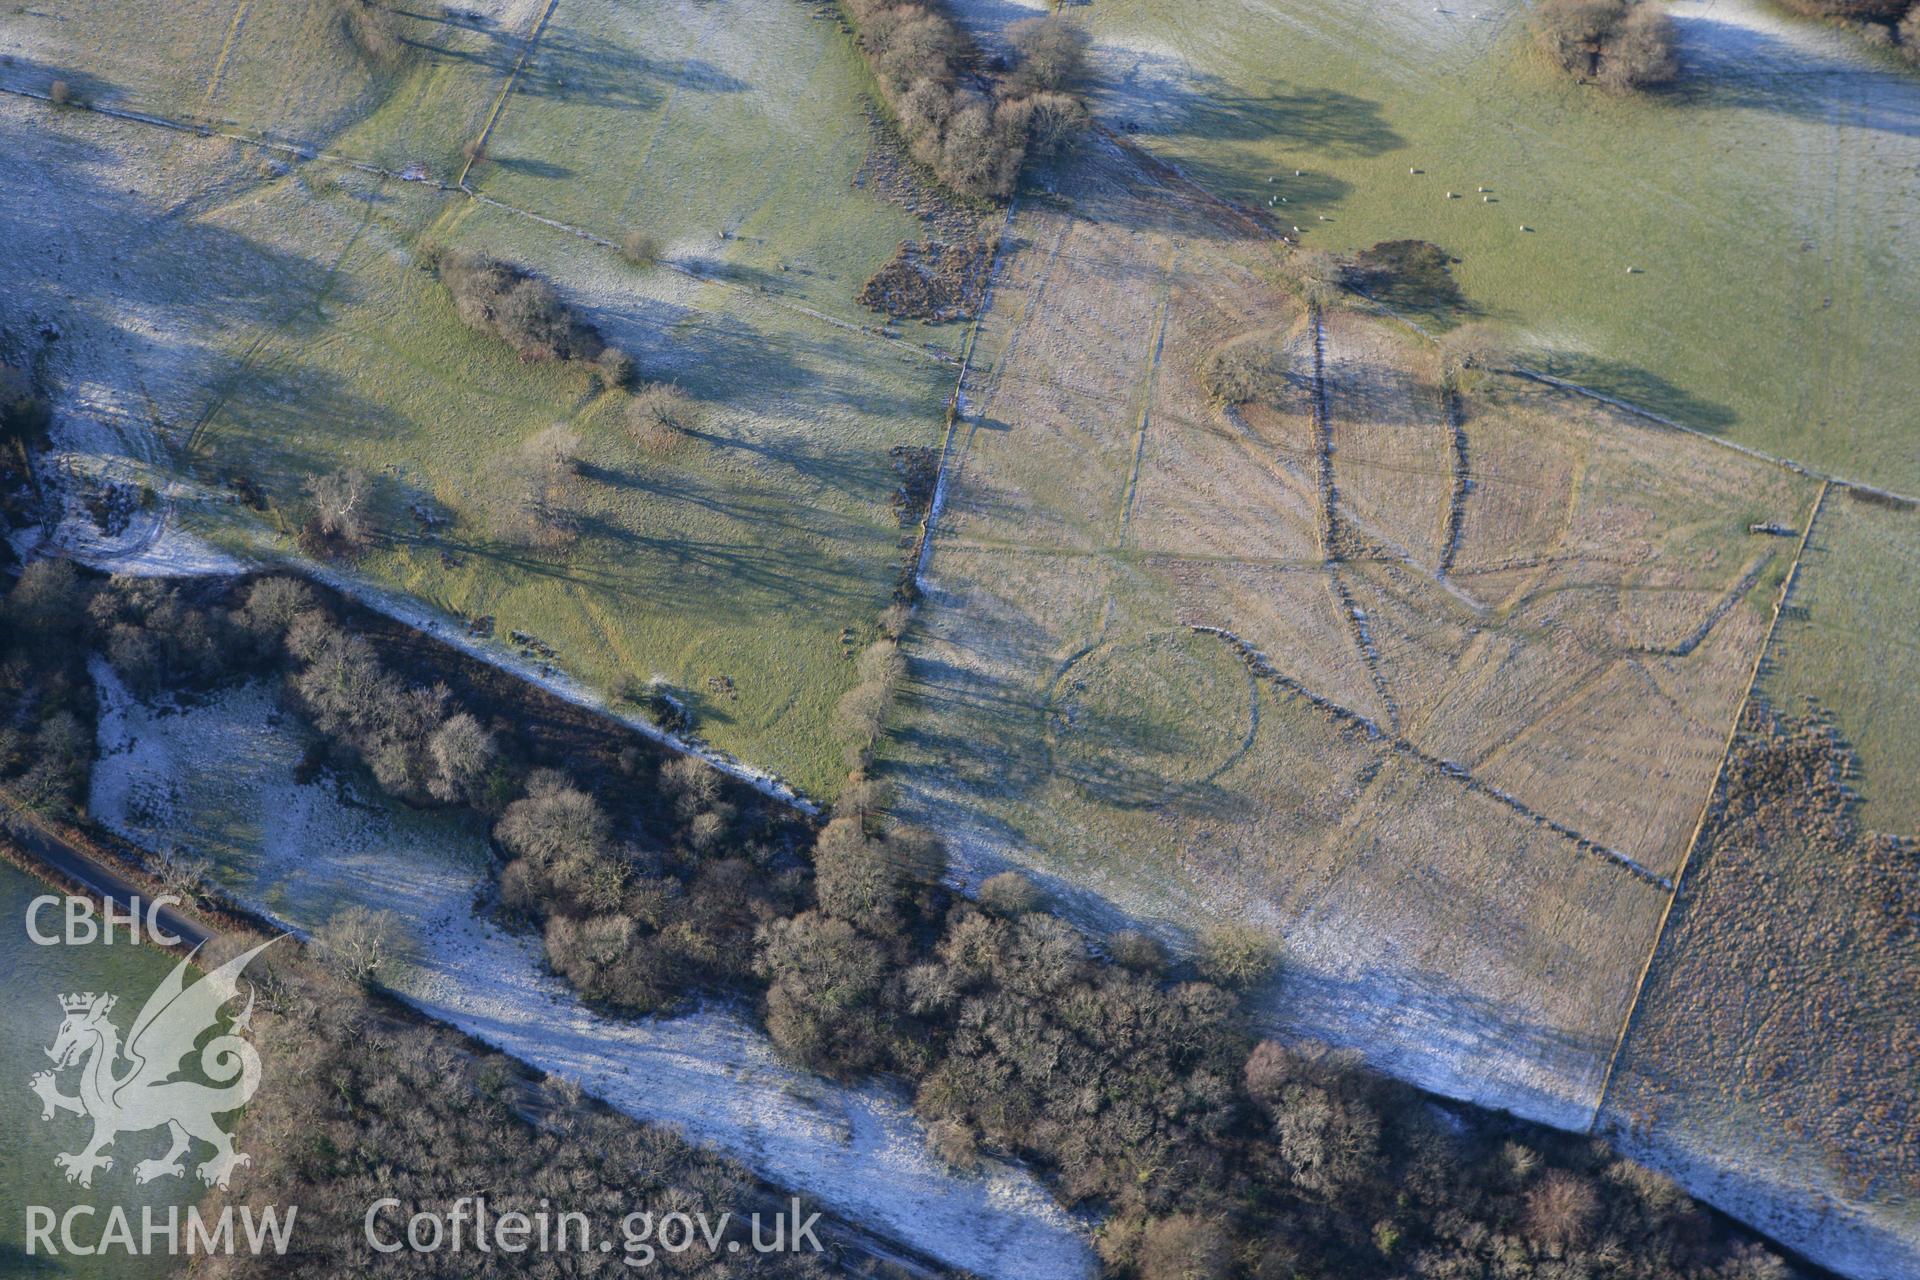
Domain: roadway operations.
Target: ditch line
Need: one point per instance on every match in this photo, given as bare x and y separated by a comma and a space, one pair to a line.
1706, 806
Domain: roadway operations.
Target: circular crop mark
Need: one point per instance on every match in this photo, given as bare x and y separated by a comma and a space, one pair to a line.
1135, 721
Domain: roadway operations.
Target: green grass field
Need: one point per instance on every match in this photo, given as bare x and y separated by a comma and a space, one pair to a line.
732, 566
730, 132
282, 70
1850, 641
1763, 202
741, 556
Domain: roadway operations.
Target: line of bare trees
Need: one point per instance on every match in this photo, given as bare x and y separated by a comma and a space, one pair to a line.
1885, 23
1134, 1080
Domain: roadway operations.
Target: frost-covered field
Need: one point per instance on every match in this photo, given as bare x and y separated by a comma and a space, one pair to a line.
217, 778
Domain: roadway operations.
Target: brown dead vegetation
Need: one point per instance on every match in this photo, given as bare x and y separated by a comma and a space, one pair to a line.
1782, 1000
930, 280
1620, 45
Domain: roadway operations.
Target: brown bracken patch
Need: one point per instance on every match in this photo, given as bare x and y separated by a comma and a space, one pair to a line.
1786, 987
930, 280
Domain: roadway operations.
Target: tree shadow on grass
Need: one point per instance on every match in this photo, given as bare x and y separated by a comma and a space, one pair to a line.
580, 68
1225, 147
1419, 1023
1164, 96
30, 75
1327, 121
726, 357
1732, 66
192, 282
531, 168
1638, 387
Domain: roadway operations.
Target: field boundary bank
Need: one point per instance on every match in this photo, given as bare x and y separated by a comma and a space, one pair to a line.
226, 49
301, 151
1698, 636
1262, 666
1827, 485
1332, 549
1456, 526
479, 147
1148, 384
956, 403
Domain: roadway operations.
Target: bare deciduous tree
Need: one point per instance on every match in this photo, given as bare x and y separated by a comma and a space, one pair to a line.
337, 519
357, 943
1235, 955
639, 248
185, 874
1561, 1208
660, 415
1186, 1247
1052, 53
1011, 894
1620, 44
462, 751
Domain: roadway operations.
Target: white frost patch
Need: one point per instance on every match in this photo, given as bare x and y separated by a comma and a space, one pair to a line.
1742, 38
219, 778
1872, 1237
151, 545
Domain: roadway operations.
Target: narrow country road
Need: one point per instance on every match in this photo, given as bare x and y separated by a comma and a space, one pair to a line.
70, 853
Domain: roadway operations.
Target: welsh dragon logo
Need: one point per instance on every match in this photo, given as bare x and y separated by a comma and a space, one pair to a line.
146, 1095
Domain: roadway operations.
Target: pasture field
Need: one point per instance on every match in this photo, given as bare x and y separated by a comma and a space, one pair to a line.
1762, 202
293, 331
731, 132
1849, 644
730, 567
287, 71
1463, 751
